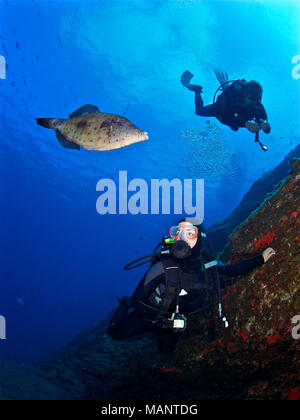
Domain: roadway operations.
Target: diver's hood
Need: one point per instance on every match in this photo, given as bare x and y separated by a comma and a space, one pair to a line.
254, 90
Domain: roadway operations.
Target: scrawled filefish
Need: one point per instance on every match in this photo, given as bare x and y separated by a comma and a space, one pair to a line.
91, 129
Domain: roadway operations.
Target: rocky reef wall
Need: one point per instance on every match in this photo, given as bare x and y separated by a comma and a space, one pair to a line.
220, 231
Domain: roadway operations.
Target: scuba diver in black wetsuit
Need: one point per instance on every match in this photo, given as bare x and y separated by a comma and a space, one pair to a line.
237, 106
183, 279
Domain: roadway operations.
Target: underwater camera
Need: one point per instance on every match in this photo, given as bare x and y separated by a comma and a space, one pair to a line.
177, 322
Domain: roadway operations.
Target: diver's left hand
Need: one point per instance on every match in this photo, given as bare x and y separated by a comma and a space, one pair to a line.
268, 253
253, 127
266, 127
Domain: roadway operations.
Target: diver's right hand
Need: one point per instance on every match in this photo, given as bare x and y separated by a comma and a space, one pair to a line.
268, 253
266, 127
253, 127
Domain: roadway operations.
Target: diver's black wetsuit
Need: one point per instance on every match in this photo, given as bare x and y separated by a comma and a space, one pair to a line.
229, 108
128, 322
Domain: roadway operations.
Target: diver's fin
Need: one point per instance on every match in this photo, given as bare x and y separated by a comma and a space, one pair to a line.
84, 109
64, 142
186, 77
221, 75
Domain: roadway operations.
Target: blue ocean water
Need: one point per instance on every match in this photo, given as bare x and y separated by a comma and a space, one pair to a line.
61, 262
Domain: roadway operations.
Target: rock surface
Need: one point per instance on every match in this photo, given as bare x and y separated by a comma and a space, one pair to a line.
256, 358
220, 231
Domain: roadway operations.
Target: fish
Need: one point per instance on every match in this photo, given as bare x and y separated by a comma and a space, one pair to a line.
91, 129
33, 290
20, 301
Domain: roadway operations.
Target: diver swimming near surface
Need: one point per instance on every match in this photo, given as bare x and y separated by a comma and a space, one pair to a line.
184, 278
239, 104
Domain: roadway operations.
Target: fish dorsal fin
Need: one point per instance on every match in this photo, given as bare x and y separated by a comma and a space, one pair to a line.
84, 109
66, 143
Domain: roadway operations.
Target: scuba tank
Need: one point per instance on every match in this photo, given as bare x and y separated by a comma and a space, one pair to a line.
221, 88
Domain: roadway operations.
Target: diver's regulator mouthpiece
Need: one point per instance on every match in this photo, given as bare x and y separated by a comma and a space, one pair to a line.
180, 249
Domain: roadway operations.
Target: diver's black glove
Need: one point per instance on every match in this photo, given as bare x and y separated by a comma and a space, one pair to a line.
268, 253
253, 127
266, 127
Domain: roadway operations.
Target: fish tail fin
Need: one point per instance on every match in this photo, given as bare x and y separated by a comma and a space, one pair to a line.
49, 122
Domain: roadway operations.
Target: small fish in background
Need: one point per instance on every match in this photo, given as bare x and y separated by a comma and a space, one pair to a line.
20, 301
18, 46
4, 49
60, 41
35, 291
91, 129
73, 94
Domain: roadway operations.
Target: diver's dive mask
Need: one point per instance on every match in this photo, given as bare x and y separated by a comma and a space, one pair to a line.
254, 92
254, 98
184, 232
185, 237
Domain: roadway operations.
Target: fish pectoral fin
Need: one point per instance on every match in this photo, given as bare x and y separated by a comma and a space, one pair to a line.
66, 143
84, 109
